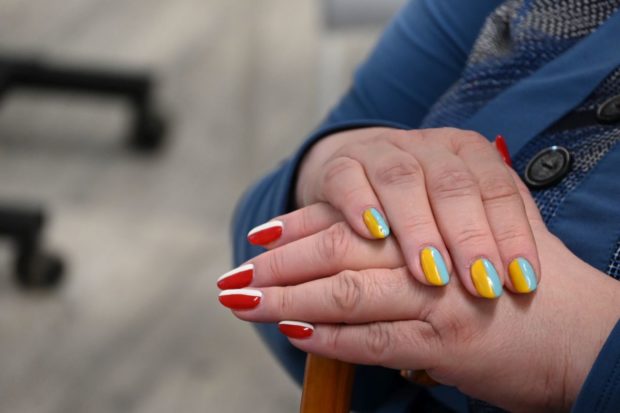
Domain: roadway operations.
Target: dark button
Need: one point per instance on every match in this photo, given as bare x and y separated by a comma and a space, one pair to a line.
609, 111
548, 167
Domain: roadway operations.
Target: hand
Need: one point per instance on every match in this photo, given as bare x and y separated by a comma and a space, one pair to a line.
522, 353
447, 194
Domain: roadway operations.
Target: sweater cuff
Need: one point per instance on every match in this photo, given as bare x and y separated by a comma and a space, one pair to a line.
601, 390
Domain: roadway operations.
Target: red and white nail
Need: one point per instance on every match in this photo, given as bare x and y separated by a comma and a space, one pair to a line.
296, 329
266, 233
240, 299
238, 278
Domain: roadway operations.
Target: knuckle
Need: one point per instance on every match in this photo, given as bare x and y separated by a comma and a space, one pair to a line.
453, 183
334, 242
287, 302
276, 266
305, 221
378, 342
513, 233
333, 339
471, 140
461, 139
453, 326
413, 223
471, 235
351, 196
472, 137
498, 189
336, 167
347, 292
398, 172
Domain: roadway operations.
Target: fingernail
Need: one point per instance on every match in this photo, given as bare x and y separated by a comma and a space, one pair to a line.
240, 299
522, 275
238, 278
296, 329
485, 278
265, 233
376, 223
434, 267
502, 148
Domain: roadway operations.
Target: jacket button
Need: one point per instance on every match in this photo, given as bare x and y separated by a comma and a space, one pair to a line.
547, 167
609, 111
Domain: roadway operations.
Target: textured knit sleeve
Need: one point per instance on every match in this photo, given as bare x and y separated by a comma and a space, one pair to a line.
421, 53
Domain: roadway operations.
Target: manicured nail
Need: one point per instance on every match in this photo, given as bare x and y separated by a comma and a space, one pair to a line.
238, 278
376, 223
240, 299
502, 148
296, 329
522, 275
485, 278
434, 267
266, 233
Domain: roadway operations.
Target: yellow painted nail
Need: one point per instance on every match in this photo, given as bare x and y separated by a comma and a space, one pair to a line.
434, 267
522, 275
485, 278
376, 223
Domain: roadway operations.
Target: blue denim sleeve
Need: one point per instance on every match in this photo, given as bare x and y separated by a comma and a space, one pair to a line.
601, 391
421, 53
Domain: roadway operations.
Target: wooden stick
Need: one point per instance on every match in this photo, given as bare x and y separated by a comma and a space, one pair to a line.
327, 386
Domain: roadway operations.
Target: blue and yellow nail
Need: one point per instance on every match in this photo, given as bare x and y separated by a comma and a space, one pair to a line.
485, 279
522, 275
434, 267
375, 223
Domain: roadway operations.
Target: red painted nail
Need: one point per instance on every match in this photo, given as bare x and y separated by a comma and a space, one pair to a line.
238, 278
240, 299
266, 233
502, 148
296, 329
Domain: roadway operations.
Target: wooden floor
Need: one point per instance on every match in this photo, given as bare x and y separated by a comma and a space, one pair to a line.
137, 326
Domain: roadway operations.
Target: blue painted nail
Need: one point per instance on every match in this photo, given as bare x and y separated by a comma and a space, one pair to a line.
522, 275
485, 279
376, 223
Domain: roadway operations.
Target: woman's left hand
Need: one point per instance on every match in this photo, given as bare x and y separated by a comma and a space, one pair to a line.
521, 353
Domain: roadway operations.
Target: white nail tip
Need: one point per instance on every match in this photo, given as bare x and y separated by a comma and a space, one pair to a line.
266, 225
242, 291
237, 270
296, 323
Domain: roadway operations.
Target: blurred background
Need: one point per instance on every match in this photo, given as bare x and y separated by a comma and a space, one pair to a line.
143, 229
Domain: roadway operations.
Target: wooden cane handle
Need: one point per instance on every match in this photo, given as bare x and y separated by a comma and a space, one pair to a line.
327, 386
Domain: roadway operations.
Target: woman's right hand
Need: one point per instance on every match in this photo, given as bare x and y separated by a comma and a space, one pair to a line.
449, 198
522, 352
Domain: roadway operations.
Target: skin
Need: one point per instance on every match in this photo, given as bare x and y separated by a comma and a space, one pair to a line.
518, 352
445, 188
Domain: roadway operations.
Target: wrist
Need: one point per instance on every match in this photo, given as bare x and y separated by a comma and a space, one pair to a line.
588, 342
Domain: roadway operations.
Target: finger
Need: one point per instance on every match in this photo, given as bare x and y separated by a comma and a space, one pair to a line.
300, 223
398, 180
398, 344
531, 209
318, 255
456, 203
352, 297
344, 185
505, 212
